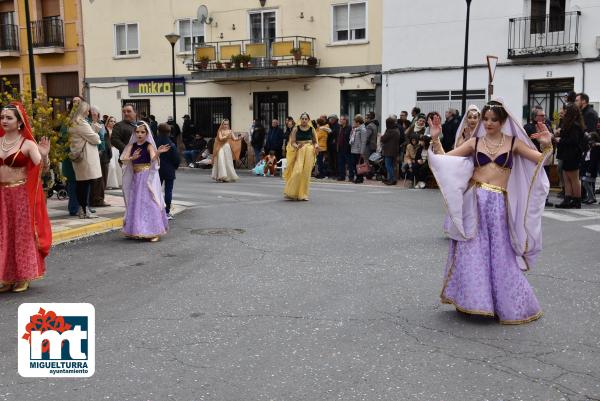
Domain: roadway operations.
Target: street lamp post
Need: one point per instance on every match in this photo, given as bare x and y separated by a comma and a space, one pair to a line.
464, 88
492, 61
173, 38
30, 51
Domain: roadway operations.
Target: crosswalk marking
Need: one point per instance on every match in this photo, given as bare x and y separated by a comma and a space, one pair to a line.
595, 227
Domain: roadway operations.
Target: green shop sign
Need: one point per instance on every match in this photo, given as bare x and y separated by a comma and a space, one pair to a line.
155, 87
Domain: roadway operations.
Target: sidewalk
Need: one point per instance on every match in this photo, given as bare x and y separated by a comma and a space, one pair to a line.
67, 228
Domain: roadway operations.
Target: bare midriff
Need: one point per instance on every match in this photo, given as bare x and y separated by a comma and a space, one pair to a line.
492, 174
12, 174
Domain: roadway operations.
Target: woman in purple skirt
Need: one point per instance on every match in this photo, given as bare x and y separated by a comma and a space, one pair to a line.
495, 189
145, 216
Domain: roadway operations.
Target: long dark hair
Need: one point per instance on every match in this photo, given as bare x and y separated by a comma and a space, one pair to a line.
572, 117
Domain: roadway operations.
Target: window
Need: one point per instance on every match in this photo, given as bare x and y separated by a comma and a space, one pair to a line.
442, 100
350, 22
191, 32
551, 10
126, 40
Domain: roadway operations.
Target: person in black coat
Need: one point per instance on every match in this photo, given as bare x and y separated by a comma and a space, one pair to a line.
169, 162
390, 145
342, 147
570, 151
449, 129
258, 140
334, 126
275, 138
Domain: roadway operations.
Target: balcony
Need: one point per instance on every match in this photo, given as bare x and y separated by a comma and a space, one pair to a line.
280, 57
9, 40
546, 35
47, 35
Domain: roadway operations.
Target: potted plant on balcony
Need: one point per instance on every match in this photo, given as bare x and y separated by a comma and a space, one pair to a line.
274, 63
203, 62
219, 65
297, 53
312, 61
228, 65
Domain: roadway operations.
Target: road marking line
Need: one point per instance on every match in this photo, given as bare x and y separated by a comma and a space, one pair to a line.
595, 227
240, 193
567, 218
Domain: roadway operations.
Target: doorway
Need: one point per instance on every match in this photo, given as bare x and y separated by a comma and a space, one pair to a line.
270, 105
548, 94
208, 112
357, 102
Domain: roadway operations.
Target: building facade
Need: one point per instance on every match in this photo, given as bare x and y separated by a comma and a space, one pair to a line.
57, 46
128, 58
544, 48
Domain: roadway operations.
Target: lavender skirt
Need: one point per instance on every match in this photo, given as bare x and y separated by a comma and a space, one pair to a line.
482, 274
145, 217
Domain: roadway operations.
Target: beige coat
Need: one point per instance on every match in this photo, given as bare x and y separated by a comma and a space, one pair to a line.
82, 136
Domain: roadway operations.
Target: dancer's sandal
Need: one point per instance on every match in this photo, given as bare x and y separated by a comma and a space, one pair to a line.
21, 286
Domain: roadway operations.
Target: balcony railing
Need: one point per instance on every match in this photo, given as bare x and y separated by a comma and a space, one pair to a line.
48, 33
546, 35
272, 53
9, 37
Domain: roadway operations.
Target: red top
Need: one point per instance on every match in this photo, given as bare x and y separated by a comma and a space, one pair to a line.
17, 159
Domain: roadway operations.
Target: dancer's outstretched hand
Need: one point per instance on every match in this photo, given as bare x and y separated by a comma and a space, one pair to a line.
164, 148
435, 129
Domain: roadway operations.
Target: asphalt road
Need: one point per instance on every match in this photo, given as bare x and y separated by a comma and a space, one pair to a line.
251, 297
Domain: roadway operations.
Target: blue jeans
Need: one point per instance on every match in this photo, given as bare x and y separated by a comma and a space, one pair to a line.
343, 159
389, 165
73, 205
321, 165
168, 193
257, 150
190, 155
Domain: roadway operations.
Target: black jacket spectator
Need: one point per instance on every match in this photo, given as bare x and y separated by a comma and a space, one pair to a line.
570, 147
121, 134
372, 128
188, 132
590, 117
343, 139
390, 142
274, 140
169, 161
258, 137
449, 129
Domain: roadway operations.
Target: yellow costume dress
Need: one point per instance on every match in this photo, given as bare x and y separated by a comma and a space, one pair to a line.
300, 163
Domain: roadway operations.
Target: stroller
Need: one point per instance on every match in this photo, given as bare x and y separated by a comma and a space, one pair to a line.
378, 170
53, 186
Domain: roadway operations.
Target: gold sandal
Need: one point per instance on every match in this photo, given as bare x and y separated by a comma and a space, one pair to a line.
21, 286
5, 288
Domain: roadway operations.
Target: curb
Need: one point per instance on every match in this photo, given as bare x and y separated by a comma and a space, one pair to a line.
86, 231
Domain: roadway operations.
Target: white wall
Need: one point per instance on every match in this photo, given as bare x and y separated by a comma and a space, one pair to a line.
430, 34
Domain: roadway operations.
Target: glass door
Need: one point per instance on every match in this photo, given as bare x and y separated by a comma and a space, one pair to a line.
263, 28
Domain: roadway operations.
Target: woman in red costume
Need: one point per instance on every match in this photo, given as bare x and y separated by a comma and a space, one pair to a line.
25, 232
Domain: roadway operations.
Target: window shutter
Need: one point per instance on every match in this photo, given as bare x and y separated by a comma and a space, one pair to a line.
358, 16
340, 18
120, 40
132, 38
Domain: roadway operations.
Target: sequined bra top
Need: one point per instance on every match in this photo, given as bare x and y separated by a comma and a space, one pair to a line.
505, 160
144, 155
17, 159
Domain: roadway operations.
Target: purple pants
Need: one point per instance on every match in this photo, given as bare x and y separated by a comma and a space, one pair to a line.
482, 274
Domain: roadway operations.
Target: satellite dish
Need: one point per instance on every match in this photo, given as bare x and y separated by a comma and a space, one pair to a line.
203, 15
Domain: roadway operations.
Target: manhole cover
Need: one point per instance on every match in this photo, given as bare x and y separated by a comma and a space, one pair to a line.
218, 231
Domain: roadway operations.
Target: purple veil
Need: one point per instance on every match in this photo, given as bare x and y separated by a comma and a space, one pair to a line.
153, 179
463, 122
527, 189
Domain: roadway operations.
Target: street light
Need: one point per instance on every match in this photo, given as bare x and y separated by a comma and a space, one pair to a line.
464, 88
492, 61
30, 51
173, 38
